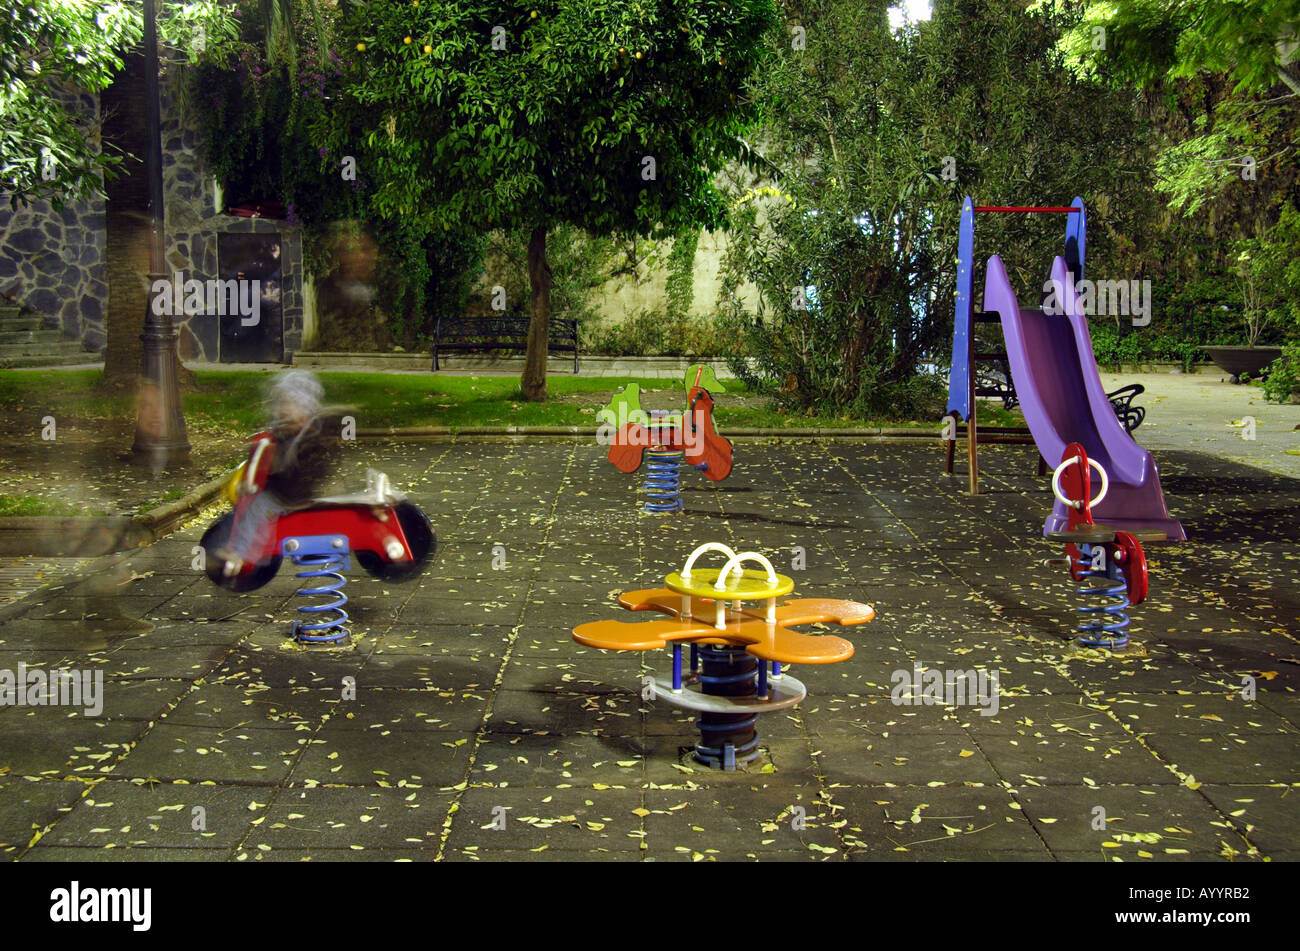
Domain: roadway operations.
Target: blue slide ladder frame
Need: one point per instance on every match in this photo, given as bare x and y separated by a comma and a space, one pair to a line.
961, 379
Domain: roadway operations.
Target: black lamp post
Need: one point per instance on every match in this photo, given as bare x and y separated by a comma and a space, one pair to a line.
160, 438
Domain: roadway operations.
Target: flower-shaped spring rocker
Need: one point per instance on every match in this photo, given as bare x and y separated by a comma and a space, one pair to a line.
729, 683
665, 441
1109, 565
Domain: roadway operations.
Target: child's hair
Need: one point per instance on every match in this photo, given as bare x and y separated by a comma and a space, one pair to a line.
296, 388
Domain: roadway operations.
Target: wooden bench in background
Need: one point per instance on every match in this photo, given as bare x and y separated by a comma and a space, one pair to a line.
493, 334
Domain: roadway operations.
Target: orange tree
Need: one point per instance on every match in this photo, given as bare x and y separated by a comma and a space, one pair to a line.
611, 115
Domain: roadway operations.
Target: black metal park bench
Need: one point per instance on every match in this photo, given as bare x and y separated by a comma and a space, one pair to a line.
993, 378
464, 334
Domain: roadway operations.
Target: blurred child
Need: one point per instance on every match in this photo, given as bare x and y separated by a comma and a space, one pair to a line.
305, 442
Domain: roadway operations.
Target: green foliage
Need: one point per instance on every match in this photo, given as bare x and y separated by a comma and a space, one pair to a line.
1114, 349
875, 139
679, 290
52, 52
1269, 273
552, 122
1185, 48
47, 46
277, 127
1145, 41
652, 333
1280, 267
1283, 381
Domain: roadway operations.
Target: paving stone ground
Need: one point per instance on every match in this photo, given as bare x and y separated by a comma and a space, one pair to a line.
474, 708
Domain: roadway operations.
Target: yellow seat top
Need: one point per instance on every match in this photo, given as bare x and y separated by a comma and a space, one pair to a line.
740, 586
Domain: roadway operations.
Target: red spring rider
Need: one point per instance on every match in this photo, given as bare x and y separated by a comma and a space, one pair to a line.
1109, 564
390, 537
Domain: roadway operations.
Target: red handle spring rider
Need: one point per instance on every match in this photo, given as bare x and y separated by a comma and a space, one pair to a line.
1109, 564
391, 538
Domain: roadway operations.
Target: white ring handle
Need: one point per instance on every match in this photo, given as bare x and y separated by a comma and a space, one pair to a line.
707, 546
735, 562
1056, 483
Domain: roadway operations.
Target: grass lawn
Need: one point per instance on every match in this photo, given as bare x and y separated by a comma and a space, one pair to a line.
12, 504
88, 467
231, 400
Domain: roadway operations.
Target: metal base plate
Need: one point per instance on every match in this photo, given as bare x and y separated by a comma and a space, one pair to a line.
782, 693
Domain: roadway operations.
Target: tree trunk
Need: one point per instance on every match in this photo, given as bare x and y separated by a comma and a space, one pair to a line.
533, 382
126, 225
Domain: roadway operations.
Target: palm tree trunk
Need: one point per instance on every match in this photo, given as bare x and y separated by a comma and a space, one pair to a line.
126, 225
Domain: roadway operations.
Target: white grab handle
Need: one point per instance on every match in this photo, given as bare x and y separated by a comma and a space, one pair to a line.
1056, 483
735, 562
250, 470
707, 546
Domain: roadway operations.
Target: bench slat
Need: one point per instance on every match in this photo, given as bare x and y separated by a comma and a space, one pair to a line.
466, 334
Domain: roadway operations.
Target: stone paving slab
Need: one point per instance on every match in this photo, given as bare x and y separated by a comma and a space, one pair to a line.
464, 723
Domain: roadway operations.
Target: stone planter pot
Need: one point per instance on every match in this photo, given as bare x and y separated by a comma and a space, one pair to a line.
1242, 360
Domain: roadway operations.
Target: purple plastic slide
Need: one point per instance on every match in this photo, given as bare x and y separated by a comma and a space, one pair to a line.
1061, 395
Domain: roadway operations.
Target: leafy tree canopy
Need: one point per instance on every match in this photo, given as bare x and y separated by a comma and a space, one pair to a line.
1145, 41
875, 137
606, 114
1183, 48
51, 51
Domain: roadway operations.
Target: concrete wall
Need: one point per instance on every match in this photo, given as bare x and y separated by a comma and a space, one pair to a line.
623, 297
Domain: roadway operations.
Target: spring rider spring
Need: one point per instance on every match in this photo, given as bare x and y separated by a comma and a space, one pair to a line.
1109, 565
665, 441
729, 683
390, 537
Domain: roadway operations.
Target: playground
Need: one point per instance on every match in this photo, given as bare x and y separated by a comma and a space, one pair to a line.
856, 650
465, 724
448, 432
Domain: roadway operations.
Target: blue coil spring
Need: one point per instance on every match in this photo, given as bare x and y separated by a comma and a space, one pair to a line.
1106, 624
727, 740
721, 755
324, 630
663, 480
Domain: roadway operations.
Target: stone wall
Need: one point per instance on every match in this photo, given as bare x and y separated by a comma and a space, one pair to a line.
53, 260
193, 224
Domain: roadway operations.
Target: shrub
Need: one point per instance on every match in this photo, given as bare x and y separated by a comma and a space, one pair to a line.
1283, 380
651, 333
1114, 349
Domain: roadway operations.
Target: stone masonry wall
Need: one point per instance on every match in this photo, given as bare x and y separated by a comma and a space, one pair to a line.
53, 261
193, 225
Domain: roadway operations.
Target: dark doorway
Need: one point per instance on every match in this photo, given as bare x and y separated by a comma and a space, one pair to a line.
252, 257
